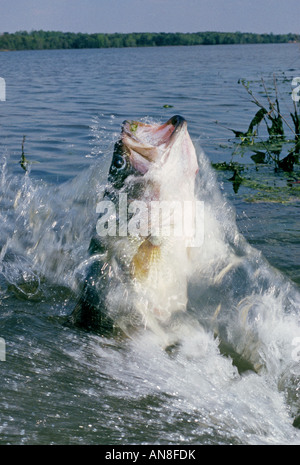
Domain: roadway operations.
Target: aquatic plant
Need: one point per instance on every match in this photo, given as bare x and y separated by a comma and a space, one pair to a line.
275, 122
279, 148
24, 162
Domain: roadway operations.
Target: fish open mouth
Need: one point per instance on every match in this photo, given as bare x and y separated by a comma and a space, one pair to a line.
147, 142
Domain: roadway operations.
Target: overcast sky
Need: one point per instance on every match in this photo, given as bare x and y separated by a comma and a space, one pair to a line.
277, 16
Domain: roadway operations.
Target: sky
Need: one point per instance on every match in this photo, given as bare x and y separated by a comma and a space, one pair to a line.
108, 16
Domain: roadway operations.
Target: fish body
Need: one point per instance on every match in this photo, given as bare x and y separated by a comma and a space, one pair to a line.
140, 251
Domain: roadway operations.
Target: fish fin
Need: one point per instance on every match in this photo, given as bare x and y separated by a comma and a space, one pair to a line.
147, 255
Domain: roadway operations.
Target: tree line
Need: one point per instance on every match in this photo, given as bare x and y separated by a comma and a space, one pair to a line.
42, 40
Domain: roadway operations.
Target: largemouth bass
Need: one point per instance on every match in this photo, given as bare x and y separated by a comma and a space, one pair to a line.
146, 228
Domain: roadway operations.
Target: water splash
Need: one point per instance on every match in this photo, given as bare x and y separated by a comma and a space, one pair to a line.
246, 310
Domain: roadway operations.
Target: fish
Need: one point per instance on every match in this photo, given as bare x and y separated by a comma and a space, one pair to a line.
141, 249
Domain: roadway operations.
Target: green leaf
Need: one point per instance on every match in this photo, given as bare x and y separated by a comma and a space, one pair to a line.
259, 157
256, 120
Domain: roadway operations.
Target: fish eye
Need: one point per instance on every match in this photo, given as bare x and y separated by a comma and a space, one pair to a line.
119, 162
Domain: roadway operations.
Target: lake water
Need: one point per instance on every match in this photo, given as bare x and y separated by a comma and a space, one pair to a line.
60, 385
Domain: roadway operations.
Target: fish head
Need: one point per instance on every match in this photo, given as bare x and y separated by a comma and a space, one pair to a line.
159, 153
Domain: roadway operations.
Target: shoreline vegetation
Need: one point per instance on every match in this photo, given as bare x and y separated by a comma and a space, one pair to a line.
47, 40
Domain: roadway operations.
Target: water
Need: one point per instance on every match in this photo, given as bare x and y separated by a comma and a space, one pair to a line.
60, 385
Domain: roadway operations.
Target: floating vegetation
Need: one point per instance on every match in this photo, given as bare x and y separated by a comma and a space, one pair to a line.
278, 150
261, 185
